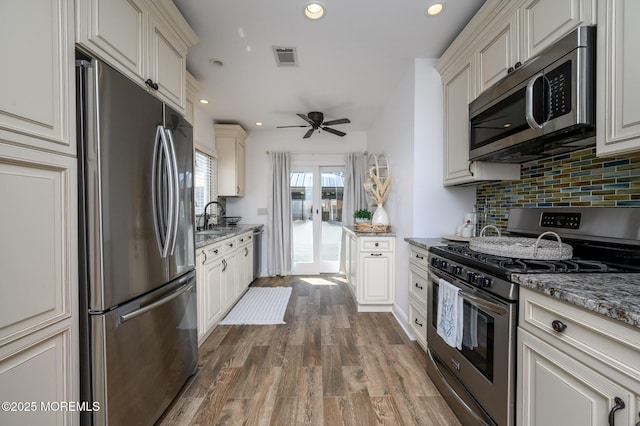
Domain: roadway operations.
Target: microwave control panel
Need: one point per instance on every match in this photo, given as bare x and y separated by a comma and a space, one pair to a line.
561, 220
559, 80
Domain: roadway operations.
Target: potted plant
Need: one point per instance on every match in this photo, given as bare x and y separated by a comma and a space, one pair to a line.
362, 215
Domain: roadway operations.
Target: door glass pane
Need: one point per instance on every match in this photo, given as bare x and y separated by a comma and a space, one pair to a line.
332, 189
302, 217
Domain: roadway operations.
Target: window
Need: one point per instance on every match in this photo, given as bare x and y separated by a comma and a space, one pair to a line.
204, 177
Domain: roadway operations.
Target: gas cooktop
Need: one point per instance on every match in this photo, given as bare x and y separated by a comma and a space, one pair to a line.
464, 254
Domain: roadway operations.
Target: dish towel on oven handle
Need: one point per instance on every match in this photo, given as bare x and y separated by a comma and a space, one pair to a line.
450, 318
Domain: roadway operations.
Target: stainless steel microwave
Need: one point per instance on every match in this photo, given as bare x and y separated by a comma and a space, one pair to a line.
544, 107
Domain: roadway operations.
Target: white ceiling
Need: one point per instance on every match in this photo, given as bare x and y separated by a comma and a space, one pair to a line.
349, 61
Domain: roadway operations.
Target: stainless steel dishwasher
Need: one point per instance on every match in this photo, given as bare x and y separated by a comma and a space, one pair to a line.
257, 251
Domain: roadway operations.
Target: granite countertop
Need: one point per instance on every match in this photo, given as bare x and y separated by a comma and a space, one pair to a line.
425, 243
223, 233
369, 234
616, 296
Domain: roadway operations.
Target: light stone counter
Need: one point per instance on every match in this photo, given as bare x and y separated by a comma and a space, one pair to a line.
616, 296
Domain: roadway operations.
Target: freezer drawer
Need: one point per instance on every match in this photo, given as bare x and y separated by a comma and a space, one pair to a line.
145, 350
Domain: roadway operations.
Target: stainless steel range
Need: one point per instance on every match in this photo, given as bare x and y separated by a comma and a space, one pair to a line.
478, 380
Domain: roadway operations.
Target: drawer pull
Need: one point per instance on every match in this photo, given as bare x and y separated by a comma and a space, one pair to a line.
420, 257
376, 254
618, 406
377, 244
558, 326
419, 323
419, 286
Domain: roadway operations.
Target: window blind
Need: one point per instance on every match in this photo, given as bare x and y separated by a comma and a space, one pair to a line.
204, 179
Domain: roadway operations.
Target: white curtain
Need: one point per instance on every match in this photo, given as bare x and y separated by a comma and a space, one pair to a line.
354, 196
279, 240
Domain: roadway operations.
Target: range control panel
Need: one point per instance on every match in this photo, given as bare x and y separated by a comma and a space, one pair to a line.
561, 220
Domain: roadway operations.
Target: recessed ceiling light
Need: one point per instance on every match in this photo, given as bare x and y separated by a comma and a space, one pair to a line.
258, 124
314, 10
435, 9
204, 101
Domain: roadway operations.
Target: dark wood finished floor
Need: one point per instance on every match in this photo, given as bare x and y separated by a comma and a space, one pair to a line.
328, 365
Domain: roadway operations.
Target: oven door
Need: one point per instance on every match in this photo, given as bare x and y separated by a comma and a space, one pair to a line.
478, 380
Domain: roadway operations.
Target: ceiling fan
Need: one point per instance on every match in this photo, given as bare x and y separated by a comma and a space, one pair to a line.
316, 121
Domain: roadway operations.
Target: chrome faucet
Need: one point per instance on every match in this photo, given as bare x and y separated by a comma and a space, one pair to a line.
206, 216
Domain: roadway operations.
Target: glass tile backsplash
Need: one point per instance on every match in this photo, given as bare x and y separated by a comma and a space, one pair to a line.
574, 179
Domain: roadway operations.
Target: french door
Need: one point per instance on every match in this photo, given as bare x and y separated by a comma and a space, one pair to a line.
316, 213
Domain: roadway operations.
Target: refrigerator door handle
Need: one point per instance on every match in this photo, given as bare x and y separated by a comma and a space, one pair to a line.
162, 215
176, 191
151, 306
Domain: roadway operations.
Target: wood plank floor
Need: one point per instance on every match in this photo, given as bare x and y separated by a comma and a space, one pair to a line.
328, 365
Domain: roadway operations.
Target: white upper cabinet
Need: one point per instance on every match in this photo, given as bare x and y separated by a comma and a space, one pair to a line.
147, 40
37, 103
502, 35
618, 92
545, 21
114, 29
499, 52
230, 140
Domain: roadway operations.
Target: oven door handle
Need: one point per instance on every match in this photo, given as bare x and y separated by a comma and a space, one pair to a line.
478, 301
492, 307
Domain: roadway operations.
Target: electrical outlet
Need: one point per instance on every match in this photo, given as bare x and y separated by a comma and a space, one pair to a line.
263, 211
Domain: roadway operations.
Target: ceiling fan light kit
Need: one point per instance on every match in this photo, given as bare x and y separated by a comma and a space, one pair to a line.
315, 120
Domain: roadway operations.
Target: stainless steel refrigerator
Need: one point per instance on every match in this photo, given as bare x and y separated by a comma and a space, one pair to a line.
137, 292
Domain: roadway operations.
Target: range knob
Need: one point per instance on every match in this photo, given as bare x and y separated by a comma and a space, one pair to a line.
443, 264
435, 261
486, 282
472, 277
456, 270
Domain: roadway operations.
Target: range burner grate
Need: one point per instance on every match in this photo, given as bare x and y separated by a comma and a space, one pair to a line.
512, 265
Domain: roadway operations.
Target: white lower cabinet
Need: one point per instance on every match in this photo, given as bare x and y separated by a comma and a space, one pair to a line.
244, 262
372, 283
36, 375
418, 294
558, 390
224, 272
585, 374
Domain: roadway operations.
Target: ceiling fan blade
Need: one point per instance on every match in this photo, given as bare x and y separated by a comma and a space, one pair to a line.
335, 132
305, 118
309, 133
284, 127
339, 121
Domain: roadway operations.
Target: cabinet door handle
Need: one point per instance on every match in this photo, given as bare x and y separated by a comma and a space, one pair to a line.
619, 405
376, 254
419, 286
419, 323
558, 326
205, 257
420, 257
151, 84
246, 252
224, 265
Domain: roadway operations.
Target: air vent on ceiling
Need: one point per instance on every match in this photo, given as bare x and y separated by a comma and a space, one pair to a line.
285, 56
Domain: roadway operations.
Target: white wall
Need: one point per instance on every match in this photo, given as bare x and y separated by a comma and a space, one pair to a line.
409, 131
203, 132
258, 169
437, 210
